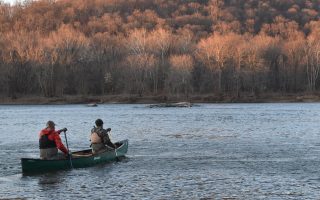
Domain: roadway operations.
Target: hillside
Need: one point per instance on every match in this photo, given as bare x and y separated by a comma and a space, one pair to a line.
141, 47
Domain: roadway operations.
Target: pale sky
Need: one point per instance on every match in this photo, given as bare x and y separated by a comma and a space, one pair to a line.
9, 1
12, 1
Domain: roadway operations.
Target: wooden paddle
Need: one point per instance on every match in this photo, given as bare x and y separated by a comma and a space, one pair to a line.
70, 154
115, 149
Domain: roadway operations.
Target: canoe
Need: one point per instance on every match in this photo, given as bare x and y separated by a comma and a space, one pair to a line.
80, 159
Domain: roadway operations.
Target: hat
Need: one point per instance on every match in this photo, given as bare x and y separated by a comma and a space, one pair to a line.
50, 124
99, 122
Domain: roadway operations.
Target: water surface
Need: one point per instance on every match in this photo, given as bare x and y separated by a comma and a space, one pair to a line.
210, 151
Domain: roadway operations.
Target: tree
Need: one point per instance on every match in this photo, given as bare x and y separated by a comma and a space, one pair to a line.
272, 55
18, 55
254, 70
93, 46
312, 53
183, 42
294, 51
179, 78
107, 51
159, 44
213, 52
140, 70
63, 48
238, 46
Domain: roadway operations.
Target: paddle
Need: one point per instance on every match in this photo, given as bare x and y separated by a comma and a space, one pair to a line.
115, 149
70, 154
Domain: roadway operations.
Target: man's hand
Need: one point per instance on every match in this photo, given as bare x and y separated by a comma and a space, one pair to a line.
68, 155
63, 130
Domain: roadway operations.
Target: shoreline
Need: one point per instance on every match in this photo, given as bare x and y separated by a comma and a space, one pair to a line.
134, 99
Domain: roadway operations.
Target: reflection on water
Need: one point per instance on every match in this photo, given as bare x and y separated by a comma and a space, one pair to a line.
212, 151
51, 179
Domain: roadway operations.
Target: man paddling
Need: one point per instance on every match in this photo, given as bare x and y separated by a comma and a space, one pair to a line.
50, 142
99, 138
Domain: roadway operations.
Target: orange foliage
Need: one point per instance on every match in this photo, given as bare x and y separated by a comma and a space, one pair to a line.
161, 43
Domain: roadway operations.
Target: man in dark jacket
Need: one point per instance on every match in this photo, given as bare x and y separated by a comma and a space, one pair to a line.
50, 142
99, 138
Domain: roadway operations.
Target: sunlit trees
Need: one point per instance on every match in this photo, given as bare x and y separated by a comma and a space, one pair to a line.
138, 60
179, 77
63, 53
18, 56
97, 47
107, 51
254, 71
183, 42
295, 53
160, 41
238, 48
141, 69
312, 59
214, 52
215, 10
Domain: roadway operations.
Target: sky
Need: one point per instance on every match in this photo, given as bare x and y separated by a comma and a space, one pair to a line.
9, 1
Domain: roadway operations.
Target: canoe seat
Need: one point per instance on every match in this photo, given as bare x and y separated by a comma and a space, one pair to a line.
85, 153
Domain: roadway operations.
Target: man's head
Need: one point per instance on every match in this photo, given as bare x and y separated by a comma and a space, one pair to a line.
50, 124
99, 122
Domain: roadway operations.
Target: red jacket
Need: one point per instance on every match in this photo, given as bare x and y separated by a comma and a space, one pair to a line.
54, 136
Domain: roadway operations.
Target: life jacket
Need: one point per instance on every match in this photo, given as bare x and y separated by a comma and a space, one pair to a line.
94, 137
45, 142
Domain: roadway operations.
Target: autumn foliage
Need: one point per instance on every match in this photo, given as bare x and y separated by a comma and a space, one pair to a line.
143, 47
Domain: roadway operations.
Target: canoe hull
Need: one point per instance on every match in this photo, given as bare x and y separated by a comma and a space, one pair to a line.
31, 165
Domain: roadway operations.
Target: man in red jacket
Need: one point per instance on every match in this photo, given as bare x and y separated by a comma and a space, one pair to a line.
50, 142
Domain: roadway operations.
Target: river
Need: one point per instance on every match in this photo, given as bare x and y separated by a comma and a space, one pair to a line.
209, 151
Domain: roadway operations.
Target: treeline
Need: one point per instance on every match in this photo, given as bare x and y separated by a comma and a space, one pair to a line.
143, 47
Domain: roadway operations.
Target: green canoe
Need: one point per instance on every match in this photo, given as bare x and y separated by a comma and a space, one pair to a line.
79, 159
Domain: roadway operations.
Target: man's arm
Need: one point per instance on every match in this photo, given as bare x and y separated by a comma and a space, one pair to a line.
107, 141
59, 144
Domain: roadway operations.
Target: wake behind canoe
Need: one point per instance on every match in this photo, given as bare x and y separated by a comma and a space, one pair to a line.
79, 159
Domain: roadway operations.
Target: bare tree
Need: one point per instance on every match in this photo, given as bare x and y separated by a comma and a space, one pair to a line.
62, 48
180, 74
294, 50
213, 52
160, 41
312, 53
141, 67
254, 69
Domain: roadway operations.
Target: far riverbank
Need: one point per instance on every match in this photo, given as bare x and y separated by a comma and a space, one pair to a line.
208, 98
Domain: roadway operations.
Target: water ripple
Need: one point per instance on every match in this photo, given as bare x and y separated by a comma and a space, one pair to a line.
212, 151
